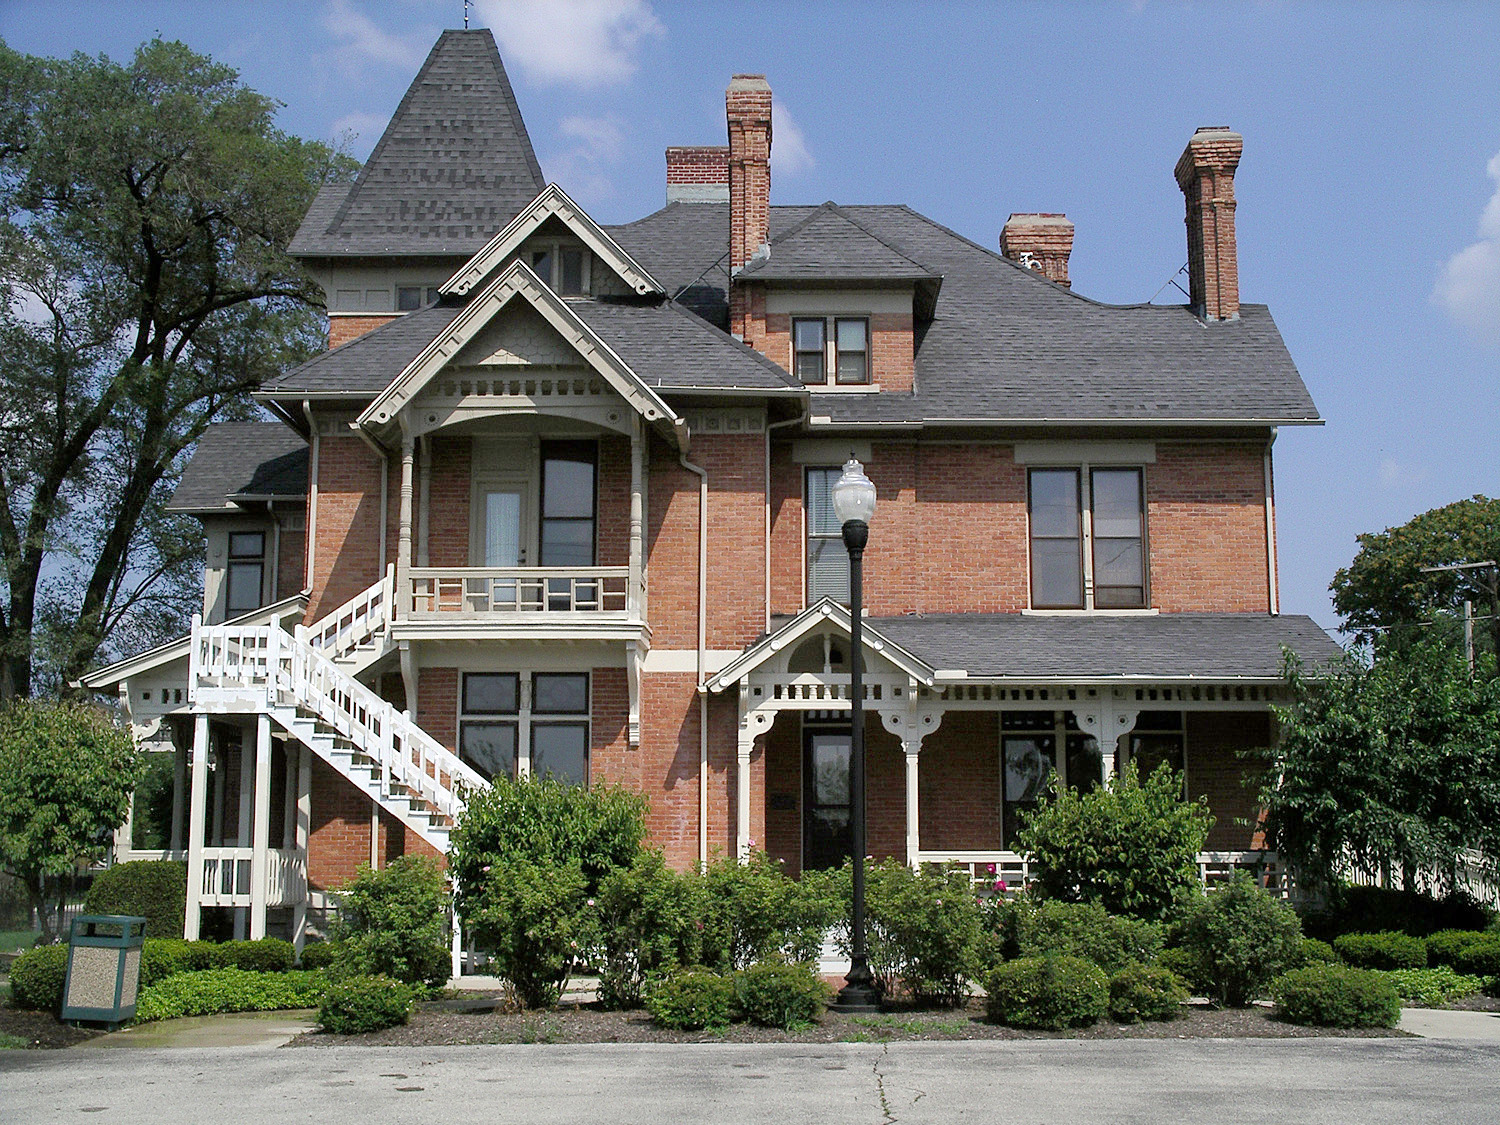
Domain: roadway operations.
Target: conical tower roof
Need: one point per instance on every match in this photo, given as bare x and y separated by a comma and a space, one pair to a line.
453, 167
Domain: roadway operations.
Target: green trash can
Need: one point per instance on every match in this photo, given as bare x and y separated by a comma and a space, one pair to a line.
104, 968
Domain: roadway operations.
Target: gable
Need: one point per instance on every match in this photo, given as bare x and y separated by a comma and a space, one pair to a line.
552, 210
517, 336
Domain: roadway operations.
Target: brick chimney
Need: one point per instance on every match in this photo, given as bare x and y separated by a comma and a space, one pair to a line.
1040, 241
1205, 172
698, 174
747, 105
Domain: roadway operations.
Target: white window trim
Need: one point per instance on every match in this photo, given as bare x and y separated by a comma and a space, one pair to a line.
1086, 525
525, 717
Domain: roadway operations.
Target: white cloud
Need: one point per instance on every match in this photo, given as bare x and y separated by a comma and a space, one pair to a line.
789, 151
584, 43
582, 168
1469, 286
361, 41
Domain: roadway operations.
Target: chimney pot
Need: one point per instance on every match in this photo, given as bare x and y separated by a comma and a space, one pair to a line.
1041, 241
1205, 173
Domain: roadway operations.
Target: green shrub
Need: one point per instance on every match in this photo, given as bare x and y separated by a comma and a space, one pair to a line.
1315, 952
394, 923
1239, 938
1130, 846
199, 956
1145, 992
1049, 993
1075, 929
691, 1000
264, 955
212, 991
365, 1003
1389, 950
1431, 988
1336, 996
154, 889
755, 912
1481, 959
542, 821
37, 978
1446, 946
322, 955
1368, 910
531, 917
1185, 965
781, 994
162, 958
650, 920
925, 931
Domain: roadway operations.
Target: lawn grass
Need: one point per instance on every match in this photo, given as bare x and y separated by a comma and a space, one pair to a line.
16, 939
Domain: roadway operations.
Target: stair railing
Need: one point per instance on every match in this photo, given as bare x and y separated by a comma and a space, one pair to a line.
359, 621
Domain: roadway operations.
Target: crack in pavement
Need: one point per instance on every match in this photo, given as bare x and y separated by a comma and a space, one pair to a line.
880, 1088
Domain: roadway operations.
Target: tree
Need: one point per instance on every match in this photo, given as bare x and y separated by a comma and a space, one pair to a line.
66, 774
1384, 588
144, 290
1130, 846
1388, 763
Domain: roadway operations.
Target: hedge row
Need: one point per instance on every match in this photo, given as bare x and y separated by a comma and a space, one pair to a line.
770, 994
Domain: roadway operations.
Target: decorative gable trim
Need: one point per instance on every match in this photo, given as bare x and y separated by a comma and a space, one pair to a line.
517, 281
811, 618
553, 202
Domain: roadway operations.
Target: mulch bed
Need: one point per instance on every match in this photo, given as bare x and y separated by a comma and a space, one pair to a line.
435, 1025
41, 1029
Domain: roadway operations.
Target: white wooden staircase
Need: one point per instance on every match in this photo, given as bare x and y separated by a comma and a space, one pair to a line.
305, 682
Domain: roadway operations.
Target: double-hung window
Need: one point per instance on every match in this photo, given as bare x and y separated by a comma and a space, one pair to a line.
831, 350
827, 558
1088, 538
246, 572
514, 724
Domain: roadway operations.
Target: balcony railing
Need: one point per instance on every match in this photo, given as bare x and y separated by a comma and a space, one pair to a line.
226, 877
1011, 868
489, 594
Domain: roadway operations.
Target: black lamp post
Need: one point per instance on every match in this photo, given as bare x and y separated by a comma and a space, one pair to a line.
853, 506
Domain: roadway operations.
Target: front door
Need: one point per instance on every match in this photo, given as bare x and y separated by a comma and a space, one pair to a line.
826, 815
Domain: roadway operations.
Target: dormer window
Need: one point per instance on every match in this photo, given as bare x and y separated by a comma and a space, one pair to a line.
565, 268
831, 350
410, 298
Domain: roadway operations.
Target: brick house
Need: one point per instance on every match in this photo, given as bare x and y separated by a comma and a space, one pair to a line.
557, 500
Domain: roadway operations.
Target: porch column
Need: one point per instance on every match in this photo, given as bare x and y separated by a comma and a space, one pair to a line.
242, 837
403, 540
635, 598
197, 813
261, 832
304, 826
752, 723
912, 748
289, 801
1108, 723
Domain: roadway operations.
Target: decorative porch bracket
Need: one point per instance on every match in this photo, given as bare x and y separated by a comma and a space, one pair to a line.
911, 724
1108, 721
752, 724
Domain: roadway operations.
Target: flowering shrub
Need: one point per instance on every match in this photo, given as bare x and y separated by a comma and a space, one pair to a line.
691, 1000
1087, 930
394, 923
755, 912
365, 1003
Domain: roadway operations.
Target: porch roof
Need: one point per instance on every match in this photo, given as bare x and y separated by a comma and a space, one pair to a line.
1167, 646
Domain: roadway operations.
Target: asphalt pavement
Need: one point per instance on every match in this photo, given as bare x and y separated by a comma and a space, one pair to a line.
1307, 1081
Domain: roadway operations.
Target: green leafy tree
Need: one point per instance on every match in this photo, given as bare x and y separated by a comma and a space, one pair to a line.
66, 774
1388, 762
1384, 588
1130, 846
145, 209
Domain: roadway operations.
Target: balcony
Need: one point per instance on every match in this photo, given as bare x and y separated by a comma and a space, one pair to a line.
502, 601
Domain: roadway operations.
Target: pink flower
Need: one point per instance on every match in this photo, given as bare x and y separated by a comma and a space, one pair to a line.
485, 869
990, 867
700, 923
591, 902
1000, 885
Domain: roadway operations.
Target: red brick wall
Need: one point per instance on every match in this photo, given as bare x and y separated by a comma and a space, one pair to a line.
342, 329
736, 543
339, 840
609, 750
783, 786
1206, 527
437, 704
614, 501
958, 784
347, 555
448, 495
885, 792
669, 767
698, 164
1215, 770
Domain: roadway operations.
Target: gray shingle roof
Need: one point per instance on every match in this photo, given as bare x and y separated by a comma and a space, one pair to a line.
830, 245
665, 344
242, 460
454, 165
1168, 645
1005, 344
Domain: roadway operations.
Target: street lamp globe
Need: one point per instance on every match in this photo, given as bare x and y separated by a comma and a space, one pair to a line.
854, 495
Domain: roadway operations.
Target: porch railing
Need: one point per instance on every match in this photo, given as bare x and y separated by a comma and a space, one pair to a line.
986, 868
488, 593
225, 878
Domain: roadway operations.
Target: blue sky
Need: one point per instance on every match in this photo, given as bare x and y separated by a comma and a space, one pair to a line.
1369, 193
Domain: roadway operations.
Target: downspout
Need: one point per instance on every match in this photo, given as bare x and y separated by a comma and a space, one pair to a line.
312, 500
769, 427
702, 475
1274, 601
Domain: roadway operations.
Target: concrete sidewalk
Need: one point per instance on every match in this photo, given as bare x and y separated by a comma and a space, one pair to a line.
1443, 1023
240, 1029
